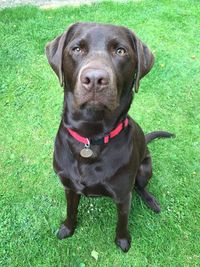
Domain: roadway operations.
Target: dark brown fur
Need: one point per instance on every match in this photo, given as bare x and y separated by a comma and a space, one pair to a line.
98, 65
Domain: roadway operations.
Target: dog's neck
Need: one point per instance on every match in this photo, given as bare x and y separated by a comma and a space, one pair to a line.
92, 123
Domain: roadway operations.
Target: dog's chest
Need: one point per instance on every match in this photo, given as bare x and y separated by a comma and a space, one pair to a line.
111, 173
102, 177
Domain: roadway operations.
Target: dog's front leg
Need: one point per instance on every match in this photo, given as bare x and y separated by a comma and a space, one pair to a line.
123, 238
68, 227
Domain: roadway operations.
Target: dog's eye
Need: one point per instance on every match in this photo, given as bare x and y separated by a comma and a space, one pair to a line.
121, 51
76, 49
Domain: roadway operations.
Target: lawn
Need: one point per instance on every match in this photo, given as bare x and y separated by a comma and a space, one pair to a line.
32, 201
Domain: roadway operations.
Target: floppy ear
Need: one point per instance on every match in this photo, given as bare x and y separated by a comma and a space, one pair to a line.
54, 52
145, 60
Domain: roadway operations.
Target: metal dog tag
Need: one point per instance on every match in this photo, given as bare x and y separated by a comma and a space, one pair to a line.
86, 152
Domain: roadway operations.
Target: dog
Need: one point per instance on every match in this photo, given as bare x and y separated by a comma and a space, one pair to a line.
99, 149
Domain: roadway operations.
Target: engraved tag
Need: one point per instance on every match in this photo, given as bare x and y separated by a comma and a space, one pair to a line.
86, 152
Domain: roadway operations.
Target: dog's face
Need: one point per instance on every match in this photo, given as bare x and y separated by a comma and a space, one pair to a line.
103, 65
99, 63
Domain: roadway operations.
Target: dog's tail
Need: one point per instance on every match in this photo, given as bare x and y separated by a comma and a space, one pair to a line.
157, 134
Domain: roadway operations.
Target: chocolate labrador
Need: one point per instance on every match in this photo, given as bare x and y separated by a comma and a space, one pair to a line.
99, 149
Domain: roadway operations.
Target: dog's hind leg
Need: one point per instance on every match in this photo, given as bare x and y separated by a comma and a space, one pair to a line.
69, 225
143, 176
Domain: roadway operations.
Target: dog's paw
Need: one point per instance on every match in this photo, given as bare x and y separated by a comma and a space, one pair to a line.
64, 232
149, 200
124, 243
153, 205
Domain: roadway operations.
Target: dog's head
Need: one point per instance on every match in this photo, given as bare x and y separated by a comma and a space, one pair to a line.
99, 63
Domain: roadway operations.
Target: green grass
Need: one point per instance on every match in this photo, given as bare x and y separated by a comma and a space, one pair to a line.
32, 201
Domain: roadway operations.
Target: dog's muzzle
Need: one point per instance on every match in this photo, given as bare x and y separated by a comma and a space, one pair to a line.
96, 80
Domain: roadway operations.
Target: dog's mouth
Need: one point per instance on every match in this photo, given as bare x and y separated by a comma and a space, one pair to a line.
95, 106
96, 88
93, 111
96, 102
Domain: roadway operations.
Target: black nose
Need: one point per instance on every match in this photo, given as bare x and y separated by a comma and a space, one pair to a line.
94, 79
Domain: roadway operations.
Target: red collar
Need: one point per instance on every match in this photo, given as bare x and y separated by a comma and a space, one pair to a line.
104, 140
